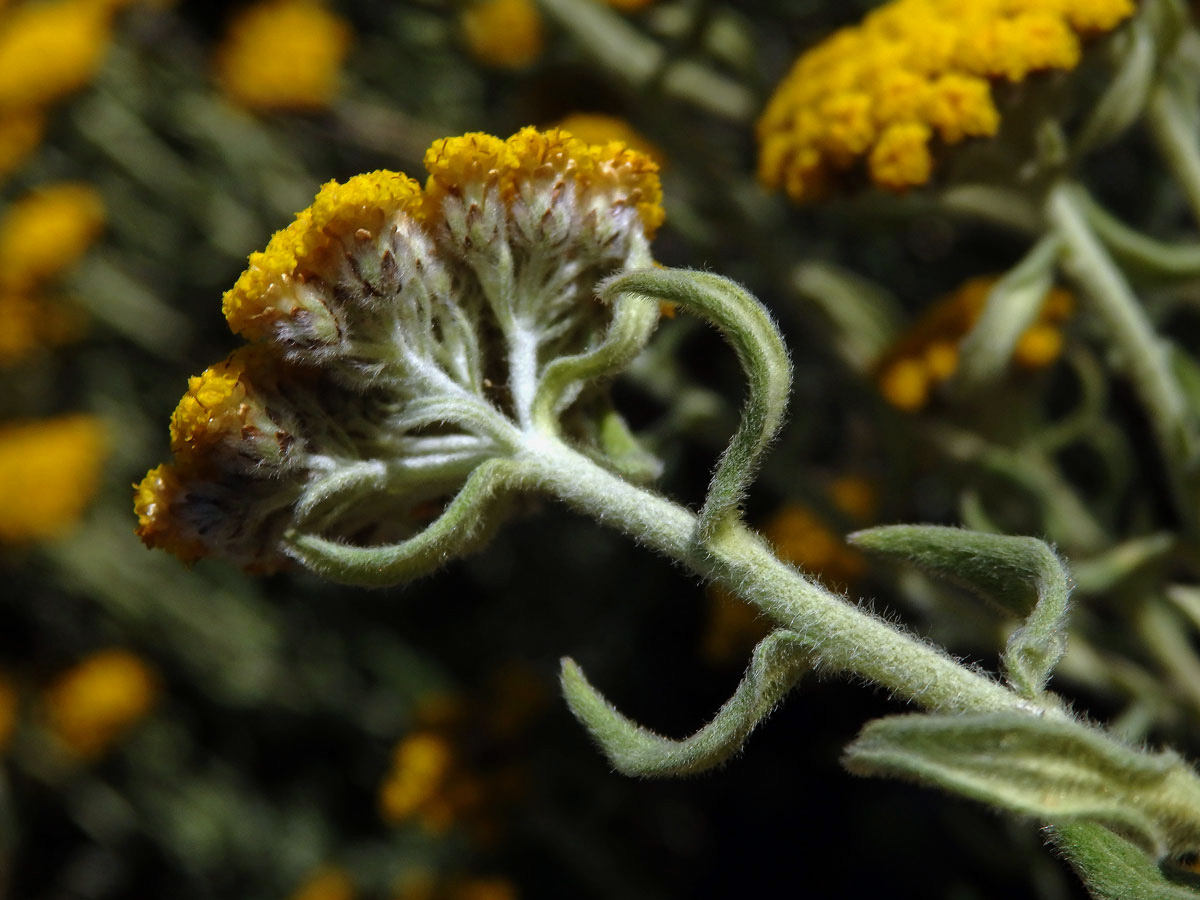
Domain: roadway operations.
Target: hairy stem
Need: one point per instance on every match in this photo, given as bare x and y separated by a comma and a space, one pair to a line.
839, 636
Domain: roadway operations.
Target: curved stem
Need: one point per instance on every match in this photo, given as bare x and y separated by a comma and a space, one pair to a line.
839, 636
1129, 329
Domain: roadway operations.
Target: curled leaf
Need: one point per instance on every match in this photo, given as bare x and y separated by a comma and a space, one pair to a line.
777, 665
748, 327
1022, 575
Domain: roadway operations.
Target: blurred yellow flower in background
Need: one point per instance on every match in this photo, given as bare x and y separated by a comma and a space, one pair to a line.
46, 232
283, 55
10, 708
96, 702
880, 92
326, 883
598, 128
49, 471
503, 34
927, 354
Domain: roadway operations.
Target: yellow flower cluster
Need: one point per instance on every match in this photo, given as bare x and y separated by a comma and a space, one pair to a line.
927, 354
283, 55
230, 440
49, 471
503, 34
41, 235
93, 704
913, 71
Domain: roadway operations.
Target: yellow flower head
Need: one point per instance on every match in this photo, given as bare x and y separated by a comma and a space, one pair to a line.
154, 497
92, 705
274, 295
927, 354
533, 161
503, 34
49, 49
46, 232
225, 411
283, 55
913, 74
379, 295
49, 471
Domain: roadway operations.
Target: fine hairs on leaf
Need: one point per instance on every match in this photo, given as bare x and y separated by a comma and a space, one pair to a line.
1050, 768
1115, 869
1021, 575
778, 663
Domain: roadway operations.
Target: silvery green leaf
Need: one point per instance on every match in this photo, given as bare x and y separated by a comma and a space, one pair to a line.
1047, 767
778, 663
1113, 868
1012, 306
1023, 575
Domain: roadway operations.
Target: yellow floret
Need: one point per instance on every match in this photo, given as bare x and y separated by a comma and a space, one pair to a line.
960, 106
474, 159
283, 55
901, 158
47, 231
905, 384
49, 49
597, 128
420, 765
95, 703
49, 471
503, 34
1040, 345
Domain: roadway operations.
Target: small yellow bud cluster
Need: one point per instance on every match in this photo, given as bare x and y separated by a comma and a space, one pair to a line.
503, 34
913, 71
283, 55
378, 295
93, 704
927, 354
